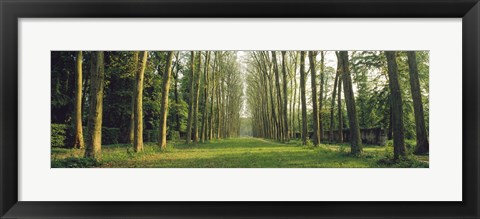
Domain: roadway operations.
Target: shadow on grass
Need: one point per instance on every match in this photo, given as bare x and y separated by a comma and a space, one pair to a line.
234, 153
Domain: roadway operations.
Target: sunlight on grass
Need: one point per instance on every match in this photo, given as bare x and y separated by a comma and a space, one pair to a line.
233, 153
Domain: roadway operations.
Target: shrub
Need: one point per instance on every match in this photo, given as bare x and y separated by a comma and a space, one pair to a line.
58, 135
110, 135
150, 135
410, 162
74, 162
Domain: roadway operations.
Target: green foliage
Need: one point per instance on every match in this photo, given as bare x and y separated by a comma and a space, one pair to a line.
74, 162
110, 135
373, 95
62, 85
410, 162
150, 135
174, 135
58, 134
180, 109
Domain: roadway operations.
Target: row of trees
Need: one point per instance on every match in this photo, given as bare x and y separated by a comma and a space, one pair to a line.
131, 91
377, 91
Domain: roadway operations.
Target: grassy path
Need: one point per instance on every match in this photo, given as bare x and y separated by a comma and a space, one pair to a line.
231, 153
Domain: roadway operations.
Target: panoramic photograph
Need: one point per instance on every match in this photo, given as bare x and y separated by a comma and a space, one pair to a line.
239, 109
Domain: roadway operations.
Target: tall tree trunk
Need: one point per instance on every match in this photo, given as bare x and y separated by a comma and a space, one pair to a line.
320, 96
224, 110
313, 72
355, 138
94, 138
175, 77
295, 96
162, 138
266, 109
339, 96
422, 139
332, 108
285, 100
279, 97
273, 110
340, 107
192, 98
214, 71
219, 114
291, 98
77, 122
205, 94
195, 102
138, 113
397, 106
303, 97
133, 70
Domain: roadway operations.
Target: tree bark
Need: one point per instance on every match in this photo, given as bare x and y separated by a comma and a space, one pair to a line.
295, 96
316, 131
397, 106
175, 77
192, 98
195, 102
77, 122
134, 80
303, 97
210, 133
339, 96
320, 97
94, 138
422, 139
162, 138
279, 97
332, 108
355, 138
205, 94
285, 100
138, 113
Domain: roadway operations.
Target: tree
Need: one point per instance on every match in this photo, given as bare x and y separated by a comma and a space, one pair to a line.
94, 138
138, 112
162, 138
294, 100
285, 99
422, 139
332, 108
303, 97
175, 89
77, 122
320, 97
205, 97
355, 138
397, 106
212, 96
279, 98
195, 100
339, 107
192, 97
132, 114
316, 130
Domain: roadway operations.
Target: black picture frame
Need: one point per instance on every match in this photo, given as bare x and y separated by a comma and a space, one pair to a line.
12, 10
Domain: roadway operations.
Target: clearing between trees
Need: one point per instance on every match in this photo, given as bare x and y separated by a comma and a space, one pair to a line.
236, 153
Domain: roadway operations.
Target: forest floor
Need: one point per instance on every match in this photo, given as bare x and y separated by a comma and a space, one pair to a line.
236, 153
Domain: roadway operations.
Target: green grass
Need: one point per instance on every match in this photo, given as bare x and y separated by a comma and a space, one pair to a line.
235, 153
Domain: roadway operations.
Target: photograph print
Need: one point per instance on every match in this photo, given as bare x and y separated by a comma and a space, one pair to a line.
239, 109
